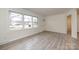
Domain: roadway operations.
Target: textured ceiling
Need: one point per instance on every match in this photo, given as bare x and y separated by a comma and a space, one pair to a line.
48, 11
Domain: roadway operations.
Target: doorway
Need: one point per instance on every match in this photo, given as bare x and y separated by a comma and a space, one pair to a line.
69, 31
69, 24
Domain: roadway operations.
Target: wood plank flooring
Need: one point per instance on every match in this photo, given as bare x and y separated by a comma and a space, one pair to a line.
78, 39
42, 41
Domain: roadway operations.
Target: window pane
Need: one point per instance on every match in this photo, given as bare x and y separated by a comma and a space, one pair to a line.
35, 22
16, 21
15, 17
35, 25
15, 27
28, 22
34, 19
28, 25
27, 18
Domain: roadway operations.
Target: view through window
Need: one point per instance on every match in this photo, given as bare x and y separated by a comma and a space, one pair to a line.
19, 21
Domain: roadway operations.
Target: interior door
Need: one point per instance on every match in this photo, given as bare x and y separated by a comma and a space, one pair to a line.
69, 26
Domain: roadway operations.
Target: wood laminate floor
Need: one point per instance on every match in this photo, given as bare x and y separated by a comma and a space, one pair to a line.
78, 39
42, 41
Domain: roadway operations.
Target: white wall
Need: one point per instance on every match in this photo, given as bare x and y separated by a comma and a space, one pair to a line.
3, 22
73, 12
78, 23
7, 35
56, 23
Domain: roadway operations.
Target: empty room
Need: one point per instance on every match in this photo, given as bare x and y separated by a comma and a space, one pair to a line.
38, 29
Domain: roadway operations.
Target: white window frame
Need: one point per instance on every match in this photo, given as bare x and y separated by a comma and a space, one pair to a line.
11, 21
27, 22
23, 22
36, 22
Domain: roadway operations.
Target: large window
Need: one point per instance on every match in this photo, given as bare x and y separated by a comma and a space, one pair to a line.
28, 22
35, 22
16, 21
19, 21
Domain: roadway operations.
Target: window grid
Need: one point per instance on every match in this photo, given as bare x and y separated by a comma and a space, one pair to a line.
28, 22
16, 21
21, 23
35, 23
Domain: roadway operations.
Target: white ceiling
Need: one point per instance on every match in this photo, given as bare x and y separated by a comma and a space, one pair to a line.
48, 11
